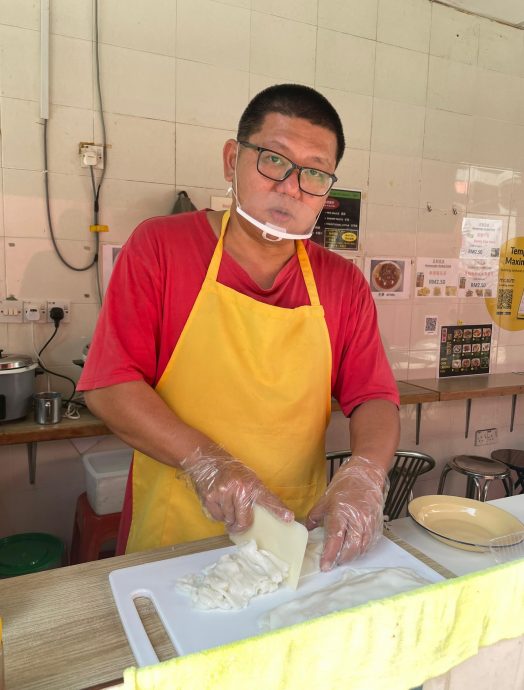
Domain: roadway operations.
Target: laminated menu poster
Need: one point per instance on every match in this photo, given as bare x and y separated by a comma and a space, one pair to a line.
338, 224
464, 350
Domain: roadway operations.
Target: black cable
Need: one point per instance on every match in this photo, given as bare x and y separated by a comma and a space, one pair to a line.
102, 121
96, 189
62, 376
96, 204
54, 373
50, 223
47, 343
95, 222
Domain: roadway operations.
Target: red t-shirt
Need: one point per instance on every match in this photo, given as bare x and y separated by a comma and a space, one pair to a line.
155, 282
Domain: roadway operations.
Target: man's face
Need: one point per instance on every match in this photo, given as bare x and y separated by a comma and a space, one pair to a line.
281, 203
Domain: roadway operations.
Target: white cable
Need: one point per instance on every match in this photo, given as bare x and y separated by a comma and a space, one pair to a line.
72, 411
33, 341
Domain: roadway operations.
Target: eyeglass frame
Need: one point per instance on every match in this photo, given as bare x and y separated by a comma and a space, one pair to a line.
294, 166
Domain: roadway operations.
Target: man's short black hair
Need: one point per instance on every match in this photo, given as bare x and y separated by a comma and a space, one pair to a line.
292, 100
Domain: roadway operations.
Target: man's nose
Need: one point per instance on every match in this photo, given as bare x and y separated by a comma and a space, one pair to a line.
290, 185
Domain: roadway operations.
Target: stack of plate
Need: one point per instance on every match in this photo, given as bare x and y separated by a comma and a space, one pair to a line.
462, 522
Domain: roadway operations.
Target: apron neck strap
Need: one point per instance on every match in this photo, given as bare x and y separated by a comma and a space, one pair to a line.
303, 258
307, 273
214, 264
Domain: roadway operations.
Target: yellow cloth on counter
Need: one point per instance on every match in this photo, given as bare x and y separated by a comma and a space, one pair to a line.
387, 644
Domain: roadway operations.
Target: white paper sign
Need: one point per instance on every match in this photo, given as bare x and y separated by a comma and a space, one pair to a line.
481, 238
478, 278
436, 277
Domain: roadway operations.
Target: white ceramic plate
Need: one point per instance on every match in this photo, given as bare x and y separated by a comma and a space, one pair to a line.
462, 522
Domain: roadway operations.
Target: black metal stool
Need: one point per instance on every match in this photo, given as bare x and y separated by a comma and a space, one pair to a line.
514, 459
479, 472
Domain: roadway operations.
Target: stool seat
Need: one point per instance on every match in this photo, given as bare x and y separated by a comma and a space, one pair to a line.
478, 465
91, 531
480, 472
514, 459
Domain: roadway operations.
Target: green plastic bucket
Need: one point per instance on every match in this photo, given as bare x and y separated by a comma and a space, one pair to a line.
30, 552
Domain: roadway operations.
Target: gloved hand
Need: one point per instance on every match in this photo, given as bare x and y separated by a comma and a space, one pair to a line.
228, 489
351, 510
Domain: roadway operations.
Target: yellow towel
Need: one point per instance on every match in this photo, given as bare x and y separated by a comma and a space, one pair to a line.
389, 644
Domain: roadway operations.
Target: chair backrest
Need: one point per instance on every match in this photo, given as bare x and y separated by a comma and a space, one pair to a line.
407, 467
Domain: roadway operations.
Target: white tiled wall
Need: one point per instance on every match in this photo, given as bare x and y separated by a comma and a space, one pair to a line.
428, 96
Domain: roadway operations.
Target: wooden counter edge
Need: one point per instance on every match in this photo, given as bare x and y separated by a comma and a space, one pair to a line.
495, 392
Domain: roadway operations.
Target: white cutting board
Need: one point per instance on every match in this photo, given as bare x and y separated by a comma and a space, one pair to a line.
193, 630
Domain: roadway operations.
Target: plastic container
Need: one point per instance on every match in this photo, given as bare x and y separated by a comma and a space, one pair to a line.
106, 477
30, 552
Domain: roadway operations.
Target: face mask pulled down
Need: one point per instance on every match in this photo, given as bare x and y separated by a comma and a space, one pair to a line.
278, 216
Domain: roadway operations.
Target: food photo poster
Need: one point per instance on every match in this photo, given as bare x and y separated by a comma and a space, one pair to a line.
388, 278
464, 350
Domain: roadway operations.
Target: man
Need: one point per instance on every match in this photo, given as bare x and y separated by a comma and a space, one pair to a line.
222, 339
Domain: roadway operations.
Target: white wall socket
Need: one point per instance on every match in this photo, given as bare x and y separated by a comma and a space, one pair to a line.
34, 311
66, 306
485, 437
91, 155
11, 311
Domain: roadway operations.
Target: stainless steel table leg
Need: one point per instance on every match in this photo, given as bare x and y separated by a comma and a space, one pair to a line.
513, 406
31, 460
419, 414
468, 412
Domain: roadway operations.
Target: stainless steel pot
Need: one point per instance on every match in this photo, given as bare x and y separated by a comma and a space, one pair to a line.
17, 386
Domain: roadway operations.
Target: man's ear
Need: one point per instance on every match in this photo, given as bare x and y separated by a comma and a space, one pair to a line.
229, 155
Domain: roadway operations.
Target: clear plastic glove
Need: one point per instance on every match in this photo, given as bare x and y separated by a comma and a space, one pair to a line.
351, 510
228, 489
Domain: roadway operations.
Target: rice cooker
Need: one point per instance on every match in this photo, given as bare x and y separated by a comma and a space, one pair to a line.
17, 385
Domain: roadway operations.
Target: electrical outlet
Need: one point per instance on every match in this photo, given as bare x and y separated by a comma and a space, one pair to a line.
34, 311
11, 311
485, 437
91, 155
66, 306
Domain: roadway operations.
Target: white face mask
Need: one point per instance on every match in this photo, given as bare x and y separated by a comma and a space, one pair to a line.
270, 231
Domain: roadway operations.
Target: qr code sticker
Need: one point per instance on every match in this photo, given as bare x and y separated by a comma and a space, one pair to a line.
504, 298
430, 326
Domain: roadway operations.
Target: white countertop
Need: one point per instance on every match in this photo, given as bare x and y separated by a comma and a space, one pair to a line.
458, 561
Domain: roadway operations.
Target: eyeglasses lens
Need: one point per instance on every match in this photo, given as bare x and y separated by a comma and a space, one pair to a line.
277, 167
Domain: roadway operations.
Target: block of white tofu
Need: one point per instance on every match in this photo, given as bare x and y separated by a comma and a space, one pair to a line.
285, 540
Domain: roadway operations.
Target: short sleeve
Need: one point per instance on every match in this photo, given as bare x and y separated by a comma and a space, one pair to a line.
125, 344
364, 372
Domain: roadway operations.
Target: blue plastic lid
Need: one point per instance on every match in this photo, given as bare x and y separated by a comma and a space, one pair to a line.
29, 552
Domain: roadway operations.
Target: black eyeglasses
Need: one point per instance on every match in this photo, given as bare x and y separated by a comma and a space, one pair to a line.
277, 167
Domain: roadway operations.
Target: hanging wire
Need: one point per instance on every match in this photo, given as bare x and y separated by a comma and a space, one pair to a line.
50, 222
101, 110
96, 208
96, 187
49, 371
96, 194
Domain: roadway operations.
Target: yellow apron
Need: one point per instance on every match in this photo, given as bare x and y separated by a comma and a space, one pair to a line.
254, 378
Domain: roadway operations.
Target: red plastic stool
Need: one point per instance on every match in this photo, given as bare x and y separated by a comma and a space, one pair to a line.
91, 531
